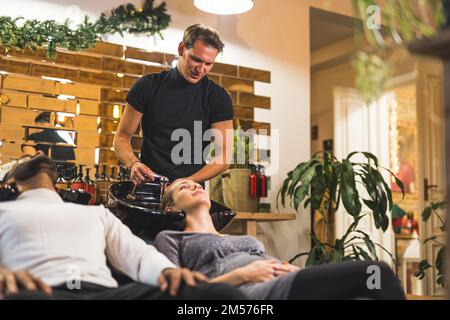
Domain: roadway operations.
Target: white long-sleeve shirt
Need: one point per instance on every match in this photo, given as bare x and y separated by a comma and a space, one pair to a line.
58, 241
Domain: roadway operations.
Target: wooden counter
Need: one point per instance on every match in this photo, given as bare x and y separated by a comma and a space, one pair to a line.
249, 219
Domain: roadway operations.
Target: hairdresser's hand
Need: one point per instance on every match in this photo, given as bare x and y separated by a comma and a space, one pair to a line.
140, 173
13, 282
173, 278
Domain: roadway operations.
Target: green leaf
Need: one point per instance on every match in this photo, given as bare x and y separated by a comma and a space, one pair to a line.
384, 223
363, 253
440, 260
429, 239
369, 243
423, 265
349, 193
426, 213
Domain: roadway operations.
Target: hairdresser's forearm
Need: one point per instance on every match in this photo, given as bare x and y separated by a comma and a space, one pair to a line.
123, 150
208, 172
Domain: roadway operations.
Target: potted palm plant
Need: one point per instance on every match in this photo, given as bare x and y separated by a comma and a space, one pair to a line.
325, 183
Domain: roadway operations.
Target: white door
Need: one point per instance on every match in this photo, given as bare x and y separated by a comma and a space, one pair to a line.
362, 127
431, 158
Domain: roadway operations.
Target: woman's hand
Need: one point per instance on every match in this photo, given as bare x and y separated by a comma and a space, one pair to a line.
13, 282
265, 270
259, 271
284, 268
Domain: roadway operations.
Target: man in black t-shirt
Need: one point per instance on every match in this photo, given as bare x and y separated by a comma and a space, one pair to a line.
175, 108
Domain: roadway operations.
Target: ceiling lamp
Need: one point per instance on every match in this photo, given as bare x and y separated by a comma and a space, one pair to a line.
224, 7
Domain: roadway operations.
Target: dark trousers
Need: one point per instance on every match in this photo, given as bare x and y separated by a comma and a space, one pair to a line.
347, 280
135, 291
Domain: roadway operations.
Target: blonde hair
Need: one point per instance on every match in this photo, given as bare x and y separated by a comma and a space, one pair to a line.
167, 199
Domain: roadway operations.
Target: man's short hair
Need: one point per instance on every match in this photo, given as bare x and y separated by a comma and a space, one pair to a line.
201, 32
43, 117
30, 168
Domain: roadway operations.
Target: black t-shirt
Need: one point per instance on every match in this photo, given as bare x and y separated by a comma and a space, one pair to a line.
60, 153
168, 102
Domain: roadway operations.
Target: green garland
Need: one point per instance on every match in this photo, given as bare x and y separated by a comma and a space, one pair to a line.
49, 34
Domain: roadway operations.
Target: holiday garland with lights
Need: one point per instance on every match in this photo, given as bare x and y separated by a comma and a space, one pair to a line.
20, 34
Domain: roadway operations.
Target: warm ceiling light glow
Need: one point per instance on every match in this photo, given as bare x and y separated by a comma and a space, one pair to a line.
61, 118
116, 111
224, 6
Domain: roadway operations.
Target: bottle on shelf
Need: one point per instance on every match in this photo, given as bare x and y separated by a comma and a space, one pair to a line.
97, 172
113, 176
78, 183
61, 183
121, 172
90, 187
262, 182
102, 186
96, 180
253, 182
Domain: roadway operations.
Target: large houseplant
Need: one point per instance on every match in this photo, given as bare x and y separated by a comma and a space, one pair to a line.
325, 183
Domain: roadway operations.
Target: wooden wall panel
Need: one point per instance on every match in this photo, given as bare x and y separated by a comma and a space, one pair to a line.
107, 156
15, 66
11, 151
79, 60
101, 78
85, 156
51, 104
39, 70
17, 116
139, 54
252, 100
13, 99
122, 66
89, 107
215, 77
106, 140
85, 123
128, 81
28, 84
113, 95
260, 127
88, 139
11, 132
108, 125
154, 69
254, 74
243, 112
226, 69
238, 85
107, 49
78, 90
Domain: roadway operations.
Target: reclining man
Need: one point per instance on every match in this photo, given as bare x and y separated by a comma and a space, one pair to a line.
62, 249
